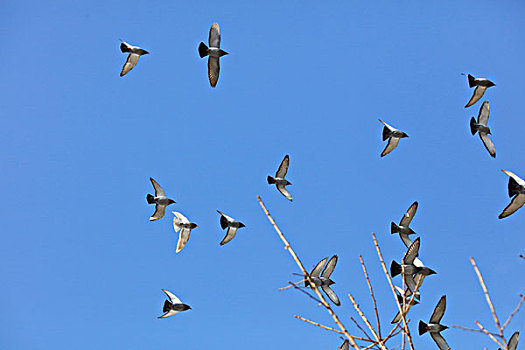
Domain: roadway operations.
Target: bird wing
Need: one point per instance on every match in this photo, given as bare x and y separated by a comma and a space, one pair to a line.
513, 341
405, 239
169, 313
173, 298
228, 218
330, 266
184, 236
412, 252
159, 212
178, 220
125, 47
159, 192
317, 269
515, 177
230, 234
407, 218
483, 116
439, 311
283, 167
391, 128
488, 144
516, 203
331, 294
440, 341
392, 143
132, 60
285, 192
214, 39
213, 70
345, 345
478, 93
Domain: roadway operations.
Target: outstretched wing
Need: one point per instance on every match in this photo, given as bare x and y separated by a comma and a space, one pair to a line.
330, 266
488, 144
132, 60
392, 143
213, 70
515, 177
214, 39
345, 346
285, 192
412, 252
478, 93
331, 294
513, 341
184, 236
439, 311
283, 168
483, 116
317, 269
440, 341
159, 212
172, 297
516, 203
230, 234
159, 192
407, 218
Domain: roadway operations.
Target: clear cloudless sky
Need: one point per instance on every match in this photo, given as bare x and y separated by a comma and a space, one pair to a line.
82, 266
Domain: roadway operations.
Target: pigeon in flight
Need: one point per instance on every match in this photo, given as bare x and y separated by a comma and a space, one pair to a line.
403, 228
214, 51
409, 268
406, 308
434, 327
279, 180
160, 200
345, 345
482, 128
393, 135
513, 341
324, 280
516, 189
180, 222
481, 85
134, 53
172, 306
231, 224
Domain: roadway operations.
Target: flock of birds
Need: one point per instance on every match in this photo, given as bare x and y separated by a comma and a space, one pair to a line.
411, 268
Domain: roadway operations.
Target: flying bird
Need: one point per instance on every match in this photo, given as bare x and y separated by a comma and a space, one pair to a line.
403, 228
180, 222
393, 135
408, 304
481, 85
434, 327
345, 345
160, 200
279, 180
409, 269
231, 224
173, 305
324, 280
513, 341
134, 53
482, 128
516, 191
214, 52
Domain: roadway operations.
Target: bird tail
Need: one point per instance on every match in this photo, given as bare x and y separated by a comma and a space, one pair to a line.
471, 81
395, 268
473, 126
271, 180
124, 48
224, 222
386, 133
394, 228
150, 198
167, 306
422, 327
203, 50
514, 187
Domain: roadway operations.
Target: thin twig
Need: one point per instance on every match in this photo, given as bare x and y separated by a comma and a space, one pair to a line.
491, 336
372, 295
291, 284
320, 325
473, 330
307, 276
361, 329
365, 320
305, 292
514, 312
484, 287
405, 325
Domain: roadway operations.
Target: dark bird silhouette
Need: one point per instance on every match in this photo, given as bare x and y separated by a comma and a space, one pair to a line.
159, 199
227, 222
434, 327
214, 52
516, 189
403, 228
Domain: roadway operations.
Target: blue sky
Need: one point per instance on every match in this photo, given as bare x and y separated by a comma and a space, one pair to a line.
81, 264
